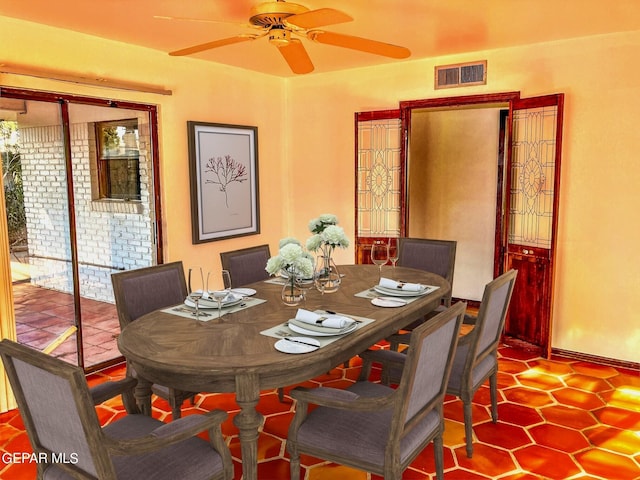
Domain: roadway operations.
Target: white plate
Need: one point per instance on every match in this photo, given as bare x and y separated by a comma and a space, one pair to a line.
245, 292
292, 345
389, 302
304, 331
401, 293
212, 304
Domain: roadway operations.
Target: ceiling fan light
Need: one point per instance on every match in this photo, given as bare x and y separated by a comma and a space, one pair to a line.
279, 37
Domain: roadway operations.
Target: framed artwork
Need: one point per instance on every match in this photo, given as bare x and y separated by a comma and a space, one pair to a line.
223, 168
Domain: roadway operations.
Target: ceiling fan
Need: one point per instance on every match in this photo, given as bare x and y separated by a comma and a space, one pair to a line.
280, 21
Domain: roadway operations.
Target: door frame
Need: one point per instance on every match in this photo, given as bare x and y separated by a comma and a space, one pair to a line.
509, 98
63, 100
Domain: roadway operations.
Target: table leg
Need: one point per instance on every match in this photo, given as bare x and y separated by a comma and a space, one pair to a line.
248, 422
142, 392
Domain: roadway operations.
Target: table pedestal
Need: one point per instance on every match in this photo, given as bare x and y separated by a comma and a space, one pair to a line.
248, 422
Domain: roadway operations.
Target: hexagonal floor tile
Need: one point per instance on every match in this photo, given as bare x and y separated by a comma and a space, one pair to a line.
559, 438
487, 460
527, 396
613, 439
568, 416
518, 414
546, 462
578, 398
594, 369
618, 417
502, 435
606, 464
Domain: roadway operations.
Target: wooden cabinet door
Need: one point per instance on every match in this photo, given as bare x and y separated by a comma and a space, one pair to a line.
533, 179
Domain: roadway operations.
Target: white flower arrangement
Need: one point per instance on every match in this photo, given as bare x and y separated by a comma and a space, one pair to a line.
327, 234
291, 258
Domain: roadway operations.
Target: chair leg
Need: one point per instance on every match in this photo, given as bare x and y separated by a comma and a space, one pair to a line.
129, 402
493, 388
294, 465
468, 426
438, 454
281, 394
176, 411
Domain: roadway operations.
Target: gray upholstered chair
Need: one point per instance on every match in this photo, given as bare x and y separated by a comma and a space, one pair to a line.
59, 415
374, 427
435, 256
477, 355
246, 265
140, 291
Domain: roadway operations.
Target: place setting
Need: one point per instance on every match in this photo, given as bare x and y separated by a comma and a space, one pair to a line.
204, 305
309, 331
391, 293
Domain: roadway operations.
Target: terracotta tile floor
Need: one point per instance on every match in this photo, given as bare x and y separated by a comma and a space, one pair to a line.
42, 315
559, 419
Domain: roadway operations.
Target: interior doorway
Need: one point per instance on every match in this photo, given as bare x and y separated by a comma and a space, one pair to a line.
87, 175
442, 200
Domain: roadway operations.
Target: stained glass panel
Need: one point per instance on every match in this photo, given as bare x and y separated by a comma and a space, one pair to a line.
378, 178
532, 176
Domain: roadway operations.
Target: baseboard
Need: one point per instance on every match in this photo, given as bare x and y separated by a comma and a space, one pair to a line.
635, 366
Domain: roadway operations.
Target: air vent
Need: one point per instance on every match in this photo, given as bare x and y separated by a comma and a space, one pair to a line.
461, 75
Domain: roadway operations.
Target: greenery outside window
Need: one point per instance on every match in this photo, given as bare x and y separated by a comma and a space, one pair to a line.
118, 159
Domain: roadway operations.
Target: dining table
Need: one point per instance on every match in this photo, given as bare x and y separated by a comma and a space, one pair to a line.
237, 351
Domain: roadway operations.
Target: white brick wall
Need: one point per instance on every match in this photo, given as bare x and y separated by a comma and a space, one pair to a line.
111, 235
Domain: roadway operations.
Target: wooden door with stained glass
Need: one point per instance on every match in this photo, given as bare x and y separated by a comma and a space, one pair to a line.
533, 180
379, 180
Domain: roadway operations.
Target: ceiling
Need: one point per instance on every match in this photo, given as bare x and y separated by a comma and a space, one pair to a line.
429, 28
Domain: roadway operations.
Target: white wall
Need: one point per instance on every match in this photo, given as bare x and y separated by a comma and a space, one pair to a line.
453, 168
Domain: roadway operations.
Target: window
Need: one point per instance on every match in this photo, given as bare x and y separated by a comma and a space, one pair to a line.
118, 159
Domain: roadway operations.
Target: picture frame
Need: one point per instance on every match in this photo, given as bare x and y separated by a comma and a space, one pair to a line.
223, 172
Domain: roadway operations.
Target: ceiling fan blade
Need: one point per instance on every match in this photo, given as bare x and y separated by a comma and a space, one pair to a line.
215, 44
359, 43
296, 56
206, 20
318, 18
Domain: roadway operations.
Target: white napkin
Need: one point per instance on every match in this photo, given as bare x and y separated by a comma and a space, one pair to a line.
329, 320
394, 285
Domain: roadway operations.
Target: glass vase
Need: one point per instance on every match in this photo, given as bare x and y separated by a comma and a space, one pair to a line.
291, 293
326, 275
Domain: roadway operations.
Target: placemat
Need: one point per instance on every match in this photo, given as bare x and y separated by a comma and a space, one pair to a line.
371, 294
283, 330
208, 314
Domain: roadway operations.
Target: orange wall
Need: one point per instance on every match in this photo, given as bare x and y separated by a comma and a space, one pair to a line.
306, 150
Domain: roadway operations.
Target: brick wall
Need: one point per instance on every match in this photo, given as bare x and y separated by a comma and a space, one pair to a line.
112, 235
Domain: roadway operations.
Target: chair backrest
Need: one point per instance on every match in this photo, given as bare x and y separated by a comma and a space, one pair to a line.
435, 256
427, 368
144, 290
57, 410
491, 317
246, 265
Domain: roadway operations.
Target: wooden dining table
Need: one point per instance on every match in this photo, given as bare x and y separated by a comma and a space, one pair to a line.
230, 354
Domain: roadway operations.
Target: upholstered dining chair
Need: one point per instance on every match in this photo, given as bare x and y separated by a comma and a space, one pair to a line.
476, 358
435, 256
246, 265
374, 427
59, 414
143, 290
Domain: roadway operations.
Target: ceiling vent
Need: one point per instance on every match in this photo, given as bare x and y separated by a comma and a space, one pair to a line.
461, 75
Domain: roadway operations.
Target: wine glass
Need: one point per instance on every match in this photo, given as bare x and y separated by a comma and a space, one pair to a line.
393, 251
220, 295
195, 293
380, 254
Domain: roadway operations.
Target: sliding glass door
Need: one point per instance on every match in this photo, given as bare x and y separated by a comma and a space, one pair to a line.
87, 173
